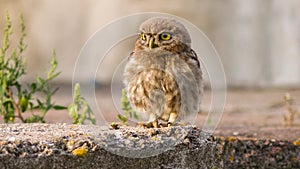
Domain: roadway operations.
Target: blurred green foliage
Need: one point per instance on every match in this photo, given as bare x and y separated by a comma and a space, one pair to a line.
17, 99
79, 110
129, 112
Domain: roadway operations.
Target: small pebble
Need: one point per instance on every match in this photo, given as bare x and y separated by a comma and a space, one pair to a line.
12, 139
235, 133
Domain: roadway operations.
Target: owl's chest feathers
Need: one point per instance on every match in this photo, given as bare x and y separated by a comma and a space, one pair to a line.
150, 80
154, 91
153, 77
158, 67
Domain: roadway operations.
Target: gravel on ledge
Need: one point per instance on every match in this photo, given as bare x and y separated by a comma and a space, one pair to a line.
87, 146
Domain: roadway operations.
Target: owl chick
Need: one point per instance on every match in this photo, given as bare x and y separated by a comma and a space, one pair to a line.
162, 77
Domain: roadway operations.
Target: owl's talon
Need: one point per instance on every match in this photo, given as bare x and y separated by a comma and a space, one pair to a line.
169, 124
148, 124
154, 124
161, 125
141, 124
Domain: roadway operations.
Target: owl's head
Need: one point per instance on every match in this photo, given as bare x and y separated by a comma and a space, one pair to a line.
164, 33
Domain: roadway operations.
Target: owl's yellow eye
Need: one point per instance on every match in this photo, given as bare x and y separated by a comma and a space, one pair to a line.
165, 36
143, 36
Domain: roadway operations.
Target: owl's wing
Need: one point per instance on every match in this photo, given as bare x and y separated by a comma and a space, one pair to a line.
130, 55
192, 55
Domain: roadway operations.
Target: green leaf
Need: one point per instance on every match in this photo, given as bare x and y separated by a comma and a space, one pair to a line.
40, 105
79, 110
58, 107
51, 73
34, 119
18, 86
122, 118
77, 93
10, 113
40, 82
73, 111
24, 104
52, 76
126, 107
135, 115
54, 91
33, 87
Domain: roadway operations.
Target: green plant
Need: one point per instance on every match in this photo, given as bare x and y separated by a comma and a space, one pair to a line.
79, 110
129, 112
16, 99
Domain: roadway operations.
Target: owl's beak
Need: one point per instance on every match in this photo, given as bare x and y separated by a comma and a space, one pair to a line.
151, 43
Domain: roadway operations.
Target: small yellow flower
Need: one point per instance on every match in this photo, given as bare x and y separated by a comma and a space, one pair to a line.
230, 139
297, 142
80, 152
231, 158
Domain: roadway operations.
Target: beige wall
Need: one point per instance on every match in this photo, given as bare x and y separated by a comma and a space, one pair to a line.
258, 41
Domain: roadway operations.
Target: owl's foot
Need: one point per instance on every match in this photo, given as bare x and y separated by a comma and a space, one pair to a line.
152, 122
148, 124
172, 118
164, 124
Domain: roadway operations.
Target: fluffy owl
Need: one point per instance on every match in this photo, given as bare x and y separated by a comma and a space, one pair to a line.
162, 76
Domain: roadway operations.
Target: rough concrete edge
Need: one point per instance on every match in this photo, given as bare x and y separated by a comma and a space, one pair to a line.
192, 152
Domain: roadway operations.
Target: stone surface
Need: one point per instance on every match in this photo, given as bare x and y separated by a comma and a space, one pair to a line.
76, 146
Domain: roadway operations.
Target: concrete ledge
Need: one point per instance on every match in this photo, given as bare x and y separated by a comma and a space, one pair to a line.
75, 146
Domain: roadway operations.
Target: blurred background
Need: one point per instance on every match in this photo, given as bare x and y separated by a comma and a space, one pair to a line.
258, 41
